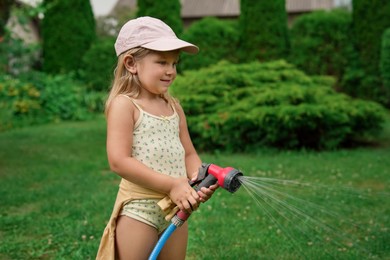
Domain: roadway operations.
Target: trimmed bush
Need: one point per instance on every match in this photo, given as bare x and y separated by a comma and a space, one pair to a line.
320, 42
98, 65
217, 40
68, 30
263, 28
385, 61
247, 106
167, 11
5, 12
370, 20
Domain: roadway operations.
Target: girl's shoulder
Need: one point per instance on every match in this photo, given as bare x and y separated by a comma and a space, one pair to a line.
128, 98
176, 104
179, 110
123, 106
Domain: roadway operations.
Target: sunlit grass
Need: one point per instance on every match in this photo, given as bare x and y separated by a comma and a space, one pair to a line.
57, 194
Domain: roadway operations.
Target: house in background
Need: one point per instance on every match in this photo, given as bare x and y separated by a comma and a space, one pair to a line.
193, 10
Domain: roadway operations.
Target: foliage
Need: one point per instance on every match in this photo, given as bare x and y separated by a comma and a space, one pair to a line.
217, 40
263, 27
246, 106
36, 98
99, 64
5, 10
68, 29
167, 11
370, 20
385, 60
320, 42
18, 54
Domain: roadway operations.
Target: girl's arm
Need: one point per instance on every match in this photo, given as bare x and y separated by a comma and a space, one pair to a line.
120, 127
192, 160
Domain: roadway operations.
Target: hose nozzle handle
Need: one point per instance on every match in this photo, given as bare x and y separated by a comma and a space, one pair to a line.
207, 182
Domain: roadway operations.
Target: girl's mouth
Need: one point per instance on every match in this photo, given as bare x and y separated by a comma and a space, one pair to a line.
166, 81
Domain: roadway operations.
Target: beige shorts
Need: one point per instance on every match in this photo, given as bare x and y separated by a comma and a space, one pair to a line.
147, 211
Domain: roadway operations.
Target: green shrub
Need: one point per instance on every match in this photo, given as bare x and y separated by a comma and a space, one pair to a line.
320, 42
385, 61
370, 19
99, 64
167, 11
263, 30
37, 98
243, 107
68, 29
19, 103
217, 40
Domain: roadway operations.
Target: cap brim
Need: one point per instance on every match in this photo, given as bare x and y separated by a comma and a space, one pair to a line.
170, 45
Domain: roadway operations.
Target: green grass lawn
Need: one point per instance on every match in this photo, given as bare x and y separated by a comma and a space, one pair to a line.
57, 193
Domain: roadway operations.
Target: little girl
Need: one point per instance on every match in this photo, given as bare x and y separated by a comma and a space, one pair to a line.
148, 144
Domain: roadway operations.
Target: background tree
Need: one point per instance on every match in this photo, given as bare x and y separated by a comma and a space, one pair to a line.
68, 30
217, 39
167, 11
263, 27
320, 42
385, 60
5, 9
370, 19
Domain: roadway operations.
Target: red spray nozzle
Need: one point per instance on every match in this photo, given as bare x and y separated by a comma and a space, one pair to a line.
209, 174
227, 177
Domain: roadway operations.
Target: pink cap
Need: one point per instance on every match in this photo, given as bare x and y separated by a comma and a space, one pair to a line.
150, 33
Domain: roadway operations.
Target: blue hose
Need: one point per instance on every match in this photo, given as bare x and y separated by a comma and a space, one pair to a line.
161, 242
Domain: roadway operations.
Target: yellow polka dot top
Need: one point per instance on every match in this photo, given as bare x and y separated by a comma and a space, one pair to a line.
156, 143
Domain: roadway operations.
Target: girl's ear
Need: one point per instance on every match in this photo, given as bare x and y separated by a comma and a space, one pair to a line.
130, 65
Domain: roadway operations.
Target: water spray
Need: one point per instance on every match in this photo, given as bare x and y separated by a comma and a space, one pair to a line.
209, 174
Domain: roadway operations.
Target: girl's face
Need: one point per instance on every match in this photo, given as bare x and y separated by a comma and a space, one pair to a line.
156, 71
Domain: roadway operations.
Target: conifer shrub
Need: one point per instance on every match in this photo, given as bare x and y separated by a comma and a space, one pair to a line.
263, 30
385, 61
98, 65
68, 29
217, 40
320, 42
370, 18
247, 106
167, 11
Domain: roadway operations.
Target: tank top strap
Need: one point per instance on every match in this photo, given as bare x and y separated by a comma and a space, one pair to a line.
133, 101
173, 107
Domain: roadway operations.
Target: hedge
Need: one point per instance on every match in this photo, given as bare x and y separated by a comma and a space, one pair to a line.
385, 61
263, 30
320, 42
247, 106
68, 30
217, 40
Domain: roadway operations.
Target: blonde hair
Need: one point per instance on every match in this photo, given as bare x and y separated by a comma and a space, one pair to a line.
126, 83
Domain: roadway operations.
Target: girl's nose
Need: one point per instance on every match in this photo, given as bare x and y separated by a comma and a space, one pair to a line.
171, 70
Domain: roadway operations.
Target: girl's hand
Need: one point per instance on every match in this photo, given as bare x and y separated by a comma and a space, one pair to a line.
205, 193
184, 196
